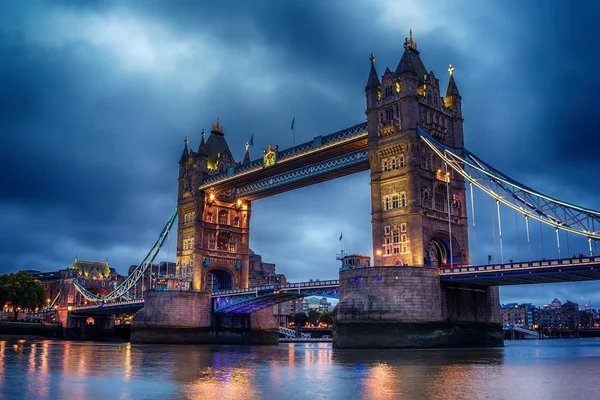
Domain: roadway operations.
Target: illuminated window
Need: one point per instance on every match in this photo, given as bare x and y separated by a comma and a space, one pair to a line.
403, 199
387, 230
223, 217
232, 247
389, 114
396, 236
401, 161
395, 202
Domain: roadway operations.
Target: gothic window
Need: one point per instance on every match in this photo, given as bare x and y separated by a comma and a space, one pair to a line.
393, 163
223, 241
209, 217
401, 161
381, 116
387, 230
388, 91
403, 227
232, 247
440, 199
236, 221
223, 217
386, 203
404, 248
396, 236
403, 199
396, 250
388, 251
212, 243
395, 201
385, 165
424, 162
437, 163
389, 114
387, 240
403, 238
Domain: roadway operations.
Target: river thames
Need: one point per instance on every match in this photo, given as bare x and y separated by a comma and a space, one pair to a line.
548, 369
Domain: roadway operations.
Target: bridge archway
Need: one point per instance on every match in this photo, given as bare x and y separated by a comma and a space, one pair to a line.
219, 279
90, 321
437, 250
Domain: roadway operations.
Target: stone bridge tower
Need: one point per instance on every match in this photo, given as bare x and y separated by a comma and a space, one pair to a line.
418, 203
213, 228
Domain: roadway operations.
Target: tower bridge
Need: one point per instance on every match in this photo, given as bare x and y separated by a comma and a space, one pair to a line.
424, 291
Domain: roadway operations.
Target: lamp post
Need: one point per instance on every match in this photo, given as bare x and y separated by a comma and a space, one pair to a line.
378, 259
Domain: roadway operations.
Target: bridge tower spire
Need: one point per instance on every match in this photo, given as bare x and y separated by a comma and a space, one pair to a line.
418, 210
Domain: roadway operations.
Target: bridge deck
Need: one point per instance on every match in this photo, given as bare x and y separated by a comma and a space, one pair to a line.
524, 273
121, 307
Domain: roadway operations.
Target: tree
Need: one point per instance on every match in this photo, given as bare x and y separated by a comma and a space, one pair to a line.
300, 319
313, 317
326, 318
3, 291
23, 291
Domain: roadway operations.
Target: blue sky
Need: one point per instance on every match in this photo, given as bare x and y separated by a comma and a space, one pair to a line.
96, 98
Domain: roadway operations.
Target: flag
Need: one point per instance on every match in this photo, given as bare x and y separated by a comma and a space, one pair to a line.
293, 123
252, 140
340, 239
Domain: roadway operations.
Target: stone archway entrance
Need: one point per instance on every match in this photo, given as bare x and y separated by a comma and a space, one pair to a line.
438, 252
218, 279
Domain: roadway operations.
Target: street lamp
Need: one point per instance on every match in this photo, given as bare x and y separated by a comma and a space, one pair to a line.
378, 259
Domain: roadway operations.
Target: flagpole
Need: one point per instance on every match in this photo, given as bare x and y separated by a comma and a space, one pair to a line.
294, 137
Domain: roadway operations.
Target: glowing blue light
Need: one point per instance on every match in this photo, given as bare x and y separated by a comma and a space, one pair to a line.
170, 297
378, 277
356, 280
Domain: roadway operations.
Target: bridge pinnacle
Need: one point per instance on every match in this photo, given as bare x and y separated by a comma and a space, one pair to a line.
372, 58
450, 69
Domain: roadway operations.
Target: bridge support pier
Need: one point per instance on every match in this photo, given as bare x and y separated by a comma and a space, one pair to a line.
408, 307
186, 317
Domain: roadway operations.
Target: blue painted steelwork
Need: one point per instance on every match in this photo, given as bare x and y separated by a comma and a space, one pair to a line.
521, 273
123, 289
528, 202
311, 171
356, 132
129, 306
246, 301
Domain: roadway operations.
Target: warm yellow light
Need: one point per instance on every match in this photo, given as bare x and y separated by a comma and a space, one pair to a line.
378, 252
48, 300
397, 87
69, 308
211, 197
239, 203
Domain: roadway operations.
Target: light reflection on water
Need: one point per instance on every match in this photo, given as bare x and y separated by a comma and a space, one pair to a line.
89, 370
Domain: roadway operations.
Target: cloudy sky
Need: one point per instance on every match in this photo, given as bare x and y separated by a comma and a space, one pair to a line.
96, 98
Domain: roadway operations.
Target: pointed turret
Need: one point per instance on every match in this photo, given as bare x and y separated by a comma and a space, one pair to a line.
185, 155
373, 82
217, 147
247, 155
202, 149
411, 61
452, 90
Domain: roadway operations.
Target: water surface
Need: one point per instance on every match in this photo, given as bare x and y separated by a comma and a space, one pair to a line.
548, 369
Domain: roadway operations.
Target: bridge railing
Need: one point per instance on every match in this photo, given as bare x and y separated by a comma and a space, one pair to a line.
106, 305
520, 265
287, 286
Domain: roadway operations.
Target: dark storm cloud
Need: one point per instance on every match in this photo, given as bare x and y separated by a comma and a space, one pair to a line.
96, 98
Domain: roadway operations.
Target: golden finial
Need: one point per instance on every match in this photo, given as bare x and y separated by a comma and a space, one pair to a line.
247, 146
372, 58
217, 128
186, 141
450, 69
409, 42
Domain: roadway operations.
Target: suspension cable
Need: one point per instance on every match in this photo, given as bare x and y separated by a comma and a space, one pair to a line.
500, 232
449, 217
473, 219
590, 244
517, 233
493, 229
542, 239
528, 238
558, 243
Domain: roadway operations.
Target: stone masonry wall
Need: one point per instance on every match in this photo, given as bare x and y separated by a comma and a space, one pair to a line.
389, 294
176, 309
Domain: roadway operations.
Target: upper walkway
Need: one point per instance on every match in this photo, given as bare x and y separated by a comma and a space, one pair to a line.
112, 308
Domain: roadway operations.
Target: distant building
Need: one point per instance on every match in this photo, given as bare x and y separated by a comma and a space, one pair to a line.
559, 315
263, 273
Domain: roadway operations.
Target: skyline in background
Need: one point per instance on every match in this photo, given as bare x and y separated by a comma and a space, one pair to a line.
96, 99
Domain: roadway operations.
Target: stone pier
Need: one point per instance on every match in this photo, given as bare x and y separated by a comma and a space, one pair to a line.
186, 317
408, 307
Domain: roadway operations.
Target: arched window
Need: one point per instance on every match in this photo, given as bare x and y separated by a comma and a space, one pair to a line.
395, 201
401, 161
223, 217
403, 199
386, 203
393, 163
